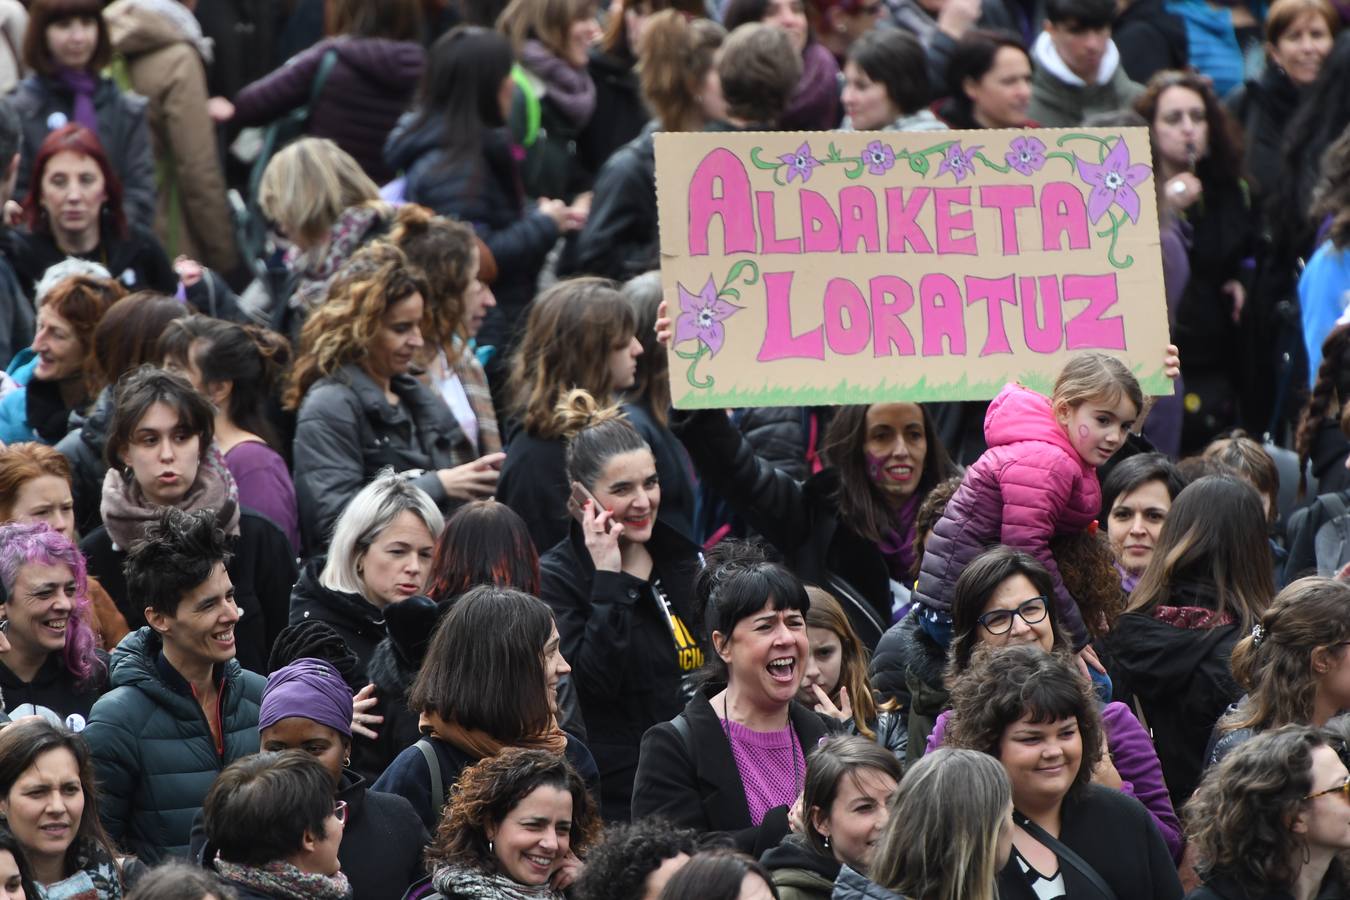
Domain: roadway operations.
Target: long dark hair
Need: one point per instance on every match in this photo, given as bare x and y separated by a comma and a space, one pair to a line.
10, 843
463, 76
250, 357
484, 542
1224, 159
862, 504
22, 743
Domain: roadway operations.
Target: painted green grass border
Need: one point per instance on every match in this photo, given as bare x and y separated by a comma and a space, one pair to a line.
847, 393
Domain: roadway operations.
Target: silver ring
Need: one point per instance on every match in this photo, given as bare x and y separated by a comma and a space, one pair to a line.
1178, 188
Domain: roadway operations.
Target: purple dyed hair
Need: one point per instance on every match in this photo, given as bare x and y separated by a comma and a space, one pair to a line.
23, 544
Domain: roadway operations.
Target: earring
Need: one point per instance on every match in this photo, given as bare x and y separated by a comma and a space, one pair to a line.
490, 849
346, 762
827, 842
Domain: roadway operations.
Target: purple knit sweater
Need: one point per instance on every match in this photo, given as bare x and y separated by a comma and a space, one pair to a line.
1134, 758
771, 765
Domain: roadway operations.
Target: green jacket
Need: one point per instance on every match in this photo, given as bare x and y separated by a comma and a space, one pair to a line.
802, 884
1056, 103
153, 752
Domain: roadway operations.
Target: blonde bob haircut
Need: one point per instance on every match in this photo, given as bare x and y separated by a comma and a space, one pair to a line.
941, 842
370, 512
308, 184
547, 21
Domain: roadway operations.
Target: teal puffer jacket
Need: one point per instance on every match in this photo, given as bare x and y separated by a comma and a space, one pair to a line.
153, 752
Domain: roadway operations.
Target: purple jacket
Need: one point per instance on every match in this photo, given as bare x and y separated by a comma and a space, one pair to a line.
1030, 485
371, 84
1135, 760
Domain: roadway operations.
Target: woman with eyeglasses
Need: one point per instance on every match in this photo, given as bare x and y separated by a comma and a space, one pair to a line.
1000, 601
1293, 665
1270, 821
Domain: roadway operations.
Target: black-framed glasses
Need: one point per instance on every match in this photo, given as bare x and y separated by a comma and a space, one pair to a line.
1342, 789
1000, 621
340, 810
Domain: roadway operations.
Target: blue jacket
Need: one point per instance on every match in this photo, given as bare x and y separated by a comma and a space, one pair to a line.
1212, 41
14, 425
1323, 290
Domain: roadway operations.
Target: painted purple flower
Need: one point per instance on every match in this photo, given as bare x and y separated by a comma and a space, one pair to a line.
879, 157
702, 315
1026, 154
800, 163
1112, 181
958, 162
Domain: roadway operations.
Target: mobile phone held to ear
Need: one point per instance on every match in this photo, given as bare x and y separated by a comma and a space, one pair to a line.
577, 504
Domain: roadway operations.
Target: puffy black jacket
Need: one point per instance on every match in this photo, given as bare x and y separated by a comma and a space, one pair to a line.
371, 83
346, 432
628, 661
351, 615
850, 885
83, 448
262, 571
908, 667
154, 754
800, 519
620, 238
485, 192
44, 105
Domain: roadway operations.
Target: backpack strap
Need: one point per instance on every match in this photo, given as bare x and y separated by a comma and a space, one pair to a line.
529, 95
326, 64
681, 723
1335, 505
1066, 856
434, 767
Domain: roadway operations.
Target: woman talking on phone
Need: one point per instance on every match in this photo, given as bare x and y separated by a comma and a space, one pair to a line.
621, 589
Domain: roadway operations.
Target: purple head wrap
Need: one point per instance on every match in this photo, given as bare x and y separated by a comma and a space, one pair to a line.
308, 689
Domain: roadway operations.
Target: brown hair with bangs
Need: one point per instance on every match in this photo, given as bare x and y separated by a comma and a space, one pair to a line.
44, 13
547, 21
83, 301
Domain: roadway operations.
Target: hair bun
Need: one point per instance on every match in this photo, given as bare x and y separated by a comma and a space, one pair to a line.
578, 410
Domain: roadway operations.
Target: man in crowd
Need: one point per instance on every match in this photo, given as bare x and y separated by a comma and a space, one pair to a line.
1076, 66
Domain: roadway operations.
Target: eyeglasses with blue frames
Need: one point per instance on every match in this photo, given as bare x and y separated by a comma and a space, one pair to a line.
1000, 621
1342, 789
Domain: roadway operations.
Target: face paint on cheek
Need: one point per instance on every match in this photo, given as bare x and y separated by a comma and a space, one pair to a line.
1083, 432
875, 465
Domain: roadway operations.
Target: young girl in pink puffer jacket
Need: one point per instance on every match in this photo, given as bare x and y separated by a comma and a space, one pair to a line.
1037, 479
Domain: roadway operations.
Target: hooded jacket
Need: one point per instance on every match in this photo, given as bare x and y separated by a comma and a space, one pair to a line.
347, 431
909, 667
153, 752
54, 691
1030, 485
371, 84
83, 447
799, 872
1178, 671
487, 193
622, 647
44, 105
1060, 99
165, 65
359, 622
852, 886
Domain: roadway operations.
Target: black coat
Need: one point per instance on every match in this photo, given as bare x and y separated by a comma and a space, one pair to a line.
359, 623
16, 310
83, 448
800, 519
620, 238
1263, 107
620, 112
704, 791
1115, 835
54, 689
262, 571
1150, 39
1220, 887
485, 192
43, 105
534, 484
393, 677
909, 667
1182, 680
622, 648
137, 261
409, 777
347, 431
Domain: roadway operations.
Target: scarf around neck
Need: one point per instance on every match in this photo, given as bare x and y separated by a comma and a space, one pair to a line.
572, 89
814, 104
81, 85
482, 745
126, 511
462, 881
283, 880
96, 878
897, 545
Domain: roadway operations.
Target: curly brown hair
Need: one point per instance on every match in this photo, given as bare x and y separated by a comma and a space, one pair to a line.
488, 791
1330, 392
342, 329
1005, 684
443, 249
1304, 630
1238, 819
1088, 568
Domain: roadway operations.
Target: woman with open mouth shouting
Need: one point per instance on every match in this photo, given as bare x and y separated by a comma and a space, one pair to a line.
735, 759
52, 668
621, 585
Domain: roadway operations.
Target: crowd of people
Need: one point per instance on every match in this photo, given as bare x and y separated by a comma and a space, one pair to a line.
350, 546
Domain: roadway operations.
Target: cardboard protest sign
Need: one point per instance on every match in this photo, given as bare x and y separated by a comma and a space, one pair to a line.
856, 267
